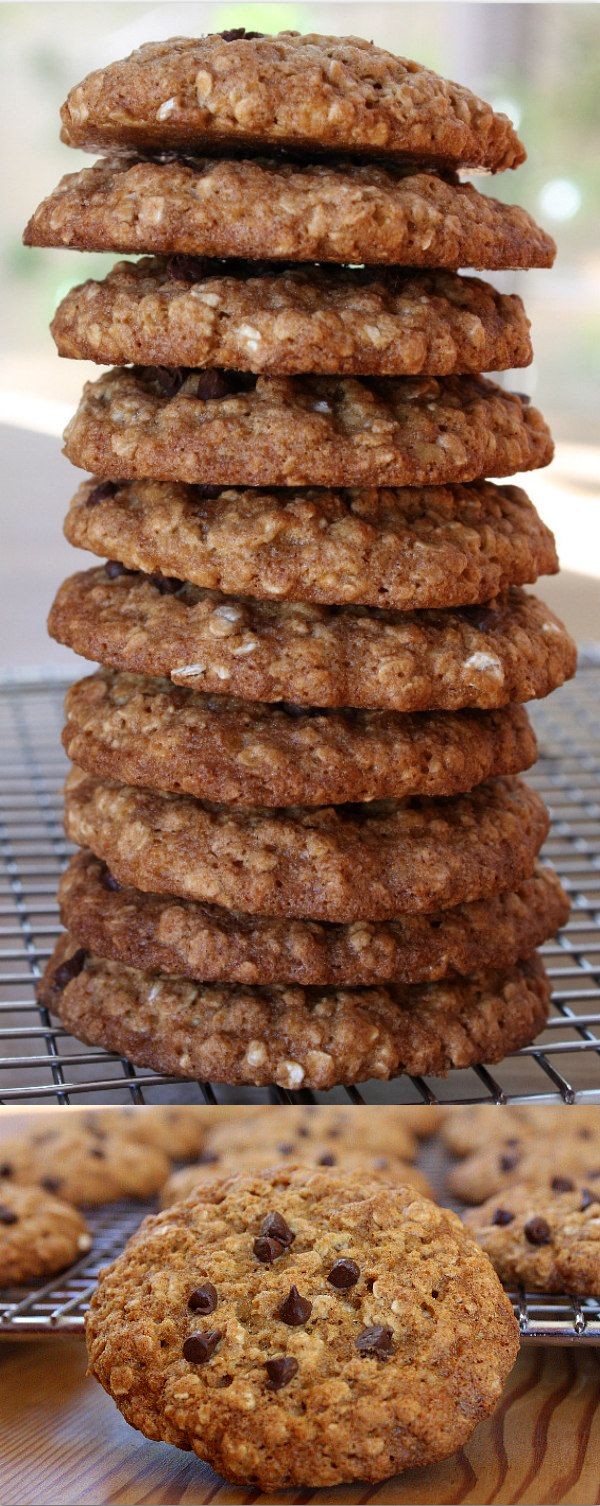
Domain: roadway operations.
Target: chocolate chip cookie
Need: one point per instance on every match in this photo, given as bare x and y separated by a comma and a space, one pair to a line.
401, 548
233, 428
286, 211
512, 649
294, 1037
531, 1157
83, 1163
39, 1234
183, 311
545, 1238
239, 88
333, 863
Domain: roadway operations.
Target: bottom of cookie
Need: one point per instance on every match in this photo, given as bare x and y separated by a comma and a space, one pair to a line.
291, 1036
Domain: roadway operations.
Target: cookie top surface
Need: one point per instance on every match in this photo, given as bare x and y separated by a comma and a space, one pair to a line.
333, 863
464, 1129
530, 1157
424, 1306
402, 548
282, 211
84, 1164
294, 1037
166, 737
251, 1159
297, 1130
484, 657
39, 1234
183, 311
231, 428
238, 88
544, 1238
179, 1132
193, 940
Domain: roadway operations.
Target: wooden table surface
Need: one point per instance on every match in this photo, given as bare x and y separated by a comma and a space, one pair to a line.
64, 1441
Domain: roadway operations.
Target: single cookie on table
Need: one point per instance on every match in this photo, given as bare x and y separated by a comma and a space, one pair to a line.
185, 311
234, 428
287, 211
295, 1130
331, 863
165, 737
402, 548
83, 1163
237, 88
509, 650
179, 1132
39, 1234
160, 933
299, 1369
544, 1237
294, 1037
191, 1179
568, 1145
465, 1130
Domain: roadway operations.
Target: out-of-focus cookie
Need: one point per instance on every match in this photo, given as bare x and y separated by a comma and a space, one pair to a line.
543, 1237
39, 1234
562, 1145
84, 1164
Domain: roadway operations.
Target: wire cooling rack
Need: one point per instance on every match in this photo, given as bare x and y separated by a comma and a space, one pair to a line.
58, 1306
40, 1062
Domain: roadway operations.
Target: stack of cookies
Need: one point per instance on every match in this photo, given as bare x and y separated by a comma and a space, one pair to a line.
307, 857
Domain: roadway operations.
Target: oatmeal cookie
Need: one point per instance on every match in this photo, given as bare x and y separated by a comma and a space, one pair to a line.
179, 1132
286, 211
232, 428
513, 649
530, 1155
182, 311
403, 548
545, 1238
387, 1168
298, 1129
332, 863
319, 93
83, 1163
294, 1037
165, 737
464, 1130
159, 933
39, 1234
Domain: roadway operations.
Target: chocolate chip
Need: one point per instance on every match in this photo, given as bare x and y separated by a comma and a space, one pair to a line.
502, 1216
267, 1250
327, 1160
376, 1340
212, 384
508, 1163
199, 1347
239, 33
51, 1184
281, 1371
112, 569
208, 1158
295, 1309
275, 1227
538, 1232
206, 493
108, 881
204, 1299
562, 1184
587, 1198
6, 1169
168, 379
524, 396
166, 584
69, 969
343, 1274
7, 1215
285, 1150
100, 492
187, 268
100, 1155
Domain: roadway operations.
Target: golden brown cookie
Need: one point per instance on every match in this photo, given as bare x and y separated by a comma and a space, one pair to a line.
39, 1234
239, 88
83, 1162
401, 548
543, 1237
165, 737
183, 311
533, 1152
190, 1179
159, 933
512, 649
233, 428
333, 863
286, 211
294, 1037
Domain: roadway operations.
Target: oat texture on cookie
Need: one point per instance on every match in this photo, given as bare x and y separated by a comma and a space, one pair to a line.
306, 854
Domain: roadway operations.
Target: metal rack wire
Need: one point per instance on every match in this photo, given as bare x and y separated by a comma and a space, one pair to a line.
40, 1062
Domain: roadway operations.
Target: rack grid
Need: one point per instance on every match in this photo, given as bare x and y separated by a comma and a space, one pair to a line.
40, 1062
